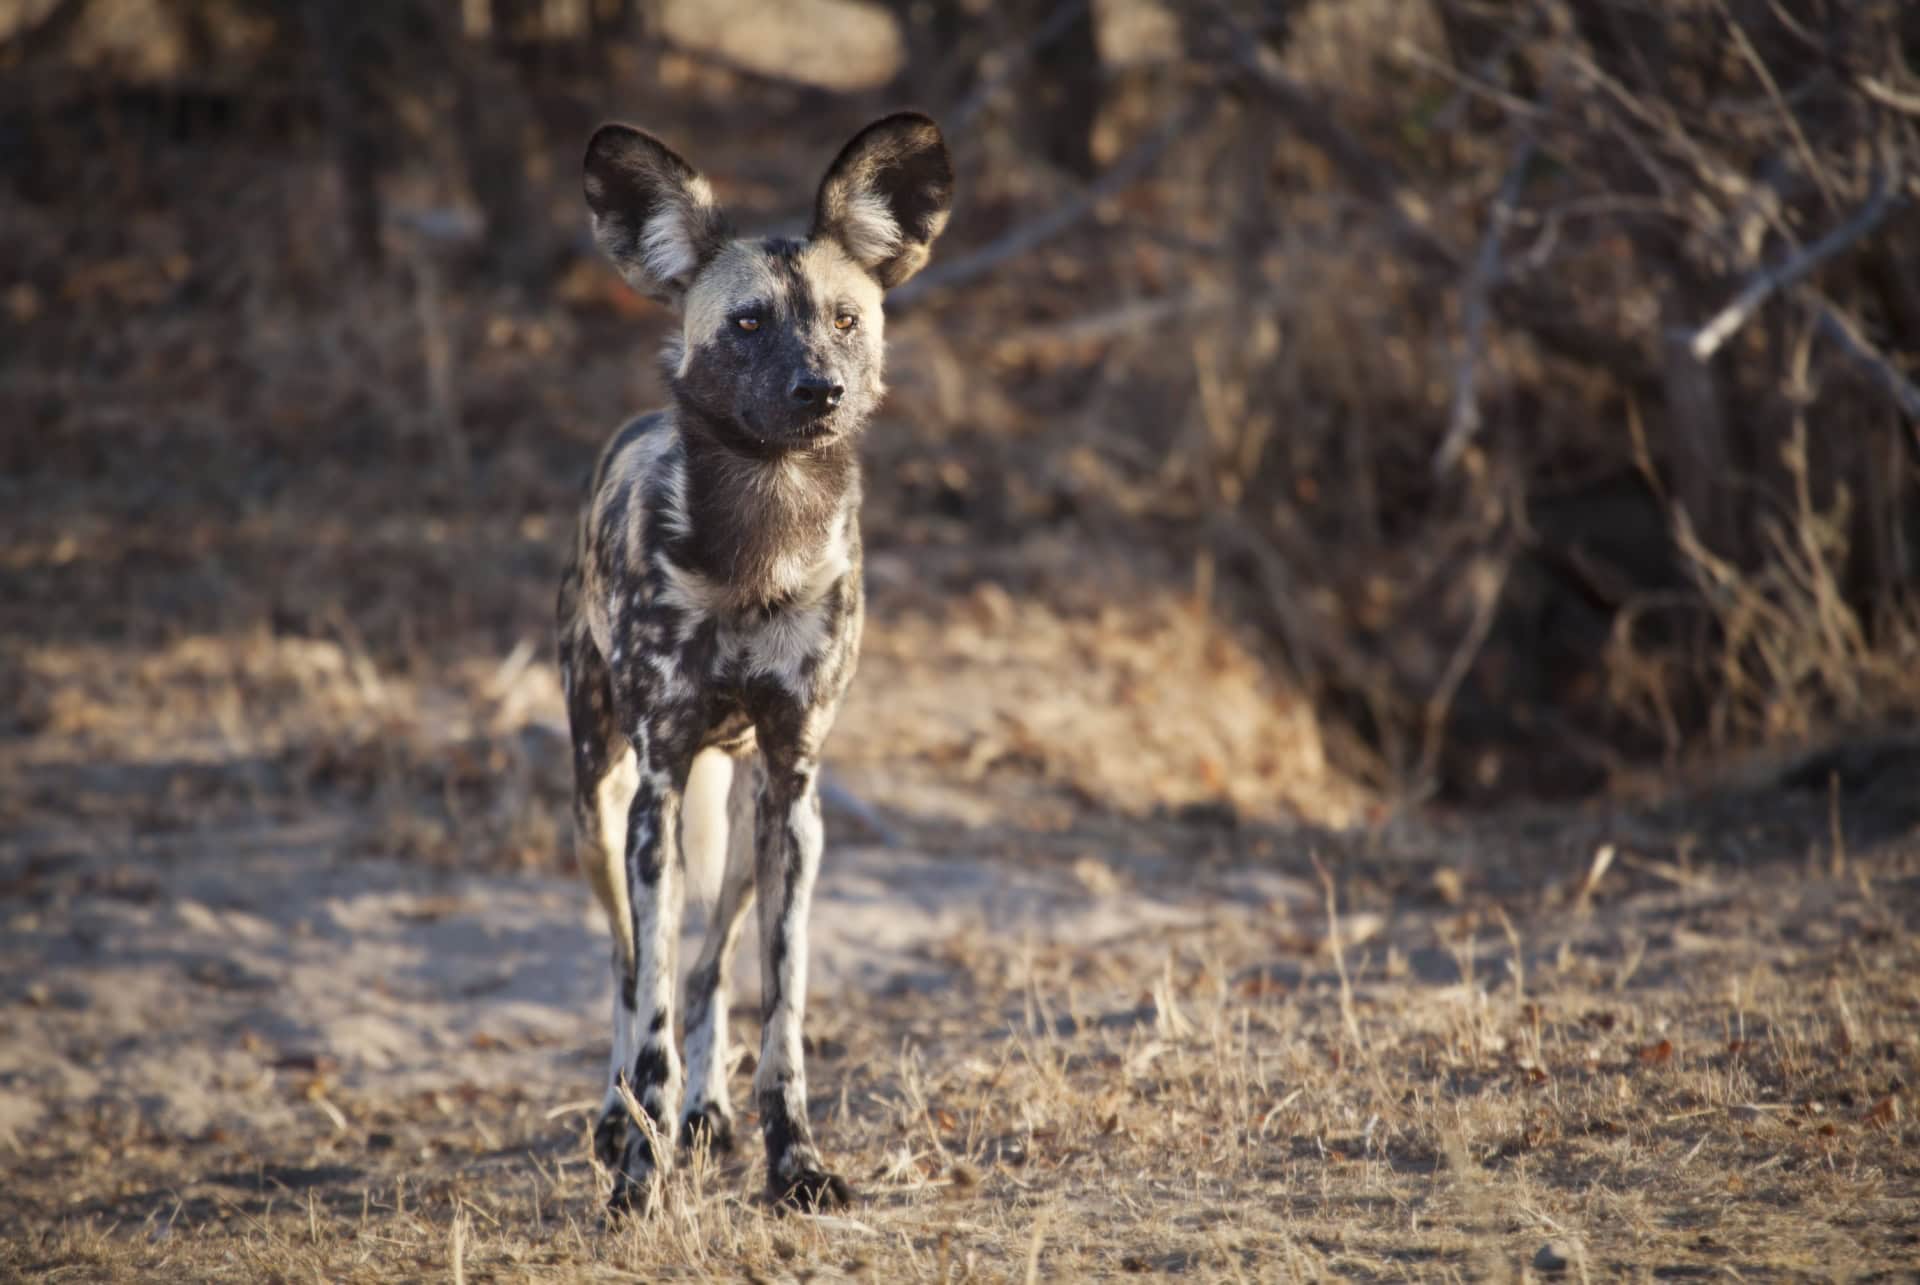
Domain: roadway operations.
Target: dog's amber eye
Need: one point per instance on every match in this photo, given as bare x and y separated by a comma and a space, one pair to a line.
748, 324
844, 321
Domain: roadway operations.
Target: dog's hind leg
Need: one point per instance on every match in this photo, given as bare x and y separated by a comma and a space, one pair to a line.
728, 823
605, 776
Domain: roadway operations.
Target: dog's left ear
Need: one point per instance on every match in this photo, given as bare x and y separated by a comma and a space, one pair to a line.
887, 195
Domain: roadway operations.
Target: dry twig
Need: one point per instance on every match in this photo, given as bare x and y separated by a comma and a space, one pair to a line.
1799, 136
1125, 172
1887, 96
1373, 177
1463, 422
1050, 29
1845, 331
1886, 197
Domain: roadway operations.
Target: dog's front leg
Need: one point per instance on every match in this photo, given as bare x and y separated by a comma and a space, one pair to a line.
653, 882
787, 859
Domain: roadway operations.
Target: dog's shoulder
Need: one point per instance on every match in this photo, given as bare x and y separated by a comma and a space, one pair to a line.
635, 452
637, 498
635, 506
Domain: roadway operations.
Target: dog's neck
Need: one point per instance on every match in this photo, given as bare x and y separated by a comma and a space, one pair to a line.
763, 525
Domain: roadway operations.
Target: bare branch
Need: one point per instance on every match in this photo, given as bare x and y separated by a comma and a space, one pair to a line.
1051, 29
1122, 174
1845, 331
1697, 421
1131, 317
1468, 83
1807, 157
1489, 581
1887, 96
1463, 422
1375, 178
1371, 176
1884, 199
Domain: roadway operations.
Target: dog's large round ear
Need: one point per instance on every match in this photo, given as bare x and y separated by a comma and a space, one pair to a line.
653, 213
887, 196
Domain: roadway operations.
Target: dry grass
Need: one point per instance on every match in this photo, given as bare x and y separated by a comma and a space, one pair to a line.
1664, 1070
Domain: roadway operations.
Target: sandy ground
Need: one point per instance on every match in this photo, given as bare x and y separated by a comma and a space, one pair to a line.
188, 979
249, 1050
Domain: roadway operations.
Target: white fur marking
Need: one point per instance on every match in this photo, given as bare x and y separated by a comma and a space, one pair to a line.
666, 245
622, 1053
780, 645
667, 251
673, 684
707, 1040
690, 593
867, 227
611, 799
675, 516
703, 822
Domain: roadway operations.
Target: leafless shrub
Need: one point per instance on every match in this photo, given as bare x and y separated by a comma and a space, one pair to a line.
1543, 382
1536, 377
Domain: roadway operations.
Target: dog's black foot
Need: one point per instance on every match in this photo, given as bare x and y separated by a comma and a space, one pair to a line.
811, 1191
632, 1196
610, 1137
636, 1176
709, 1124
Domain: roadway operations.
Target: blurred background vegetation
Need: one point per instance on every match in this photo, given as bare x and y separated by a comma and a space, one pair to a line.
1312, 401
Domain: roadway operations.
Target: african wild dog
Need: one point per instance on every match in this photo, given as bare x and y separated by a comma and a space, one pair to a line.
710, 616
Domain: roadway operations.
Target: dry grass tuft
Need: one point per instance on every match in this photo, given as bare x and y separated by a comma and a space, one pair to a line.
1651, 1071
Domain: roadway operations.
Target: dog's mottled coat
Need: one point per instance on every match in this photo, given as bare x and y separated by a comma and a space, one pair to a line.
710, 616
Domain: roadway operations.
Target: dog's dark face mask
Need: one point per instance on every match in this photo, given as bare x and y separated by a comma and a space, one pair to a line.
781, 340
781, 345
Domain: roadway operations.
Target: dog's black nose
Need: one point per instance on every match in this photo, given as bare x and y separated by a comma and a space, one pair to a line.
816, 391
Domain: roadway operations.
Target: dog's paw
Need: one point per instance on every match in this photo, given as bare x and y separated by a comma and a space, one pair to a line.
811, 1190
636, 1177
710, 1124
632, 1196
610, 1137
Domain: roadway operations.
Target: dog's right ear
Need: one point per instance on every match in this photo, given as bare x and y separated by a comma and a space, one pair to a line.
653, 213
886, 196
